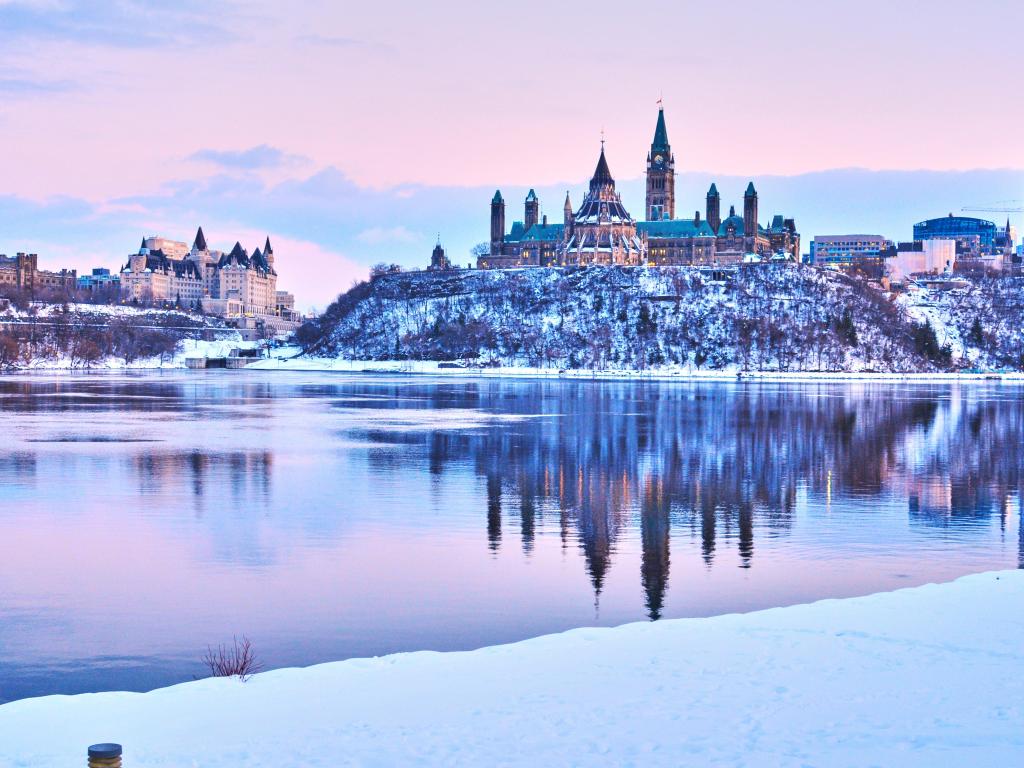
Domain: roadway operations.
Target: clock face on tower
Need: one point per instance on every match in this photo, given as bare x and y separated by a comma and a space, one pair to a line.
658, 159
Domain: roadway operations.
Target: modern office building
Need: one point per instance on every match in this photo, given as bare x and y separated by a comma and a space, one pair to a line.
99, 279
974, 237
850, 252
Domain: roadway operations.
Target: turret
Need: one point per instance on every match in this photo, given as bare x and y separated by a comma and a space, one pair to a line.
497, 223
199, 244
531, 214
268, 253
567, 213
750, 211
714, 208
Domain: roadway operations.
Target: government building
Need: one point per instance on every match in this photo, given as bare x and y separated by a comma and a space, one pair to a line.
22, 272
602, 231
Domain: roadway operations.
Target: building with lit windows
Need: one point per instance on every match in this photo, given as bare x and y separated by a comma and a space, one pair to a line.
602, 231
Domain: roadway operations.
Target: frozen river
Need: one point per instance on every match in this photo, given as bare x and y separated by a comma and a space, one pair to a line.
323, 516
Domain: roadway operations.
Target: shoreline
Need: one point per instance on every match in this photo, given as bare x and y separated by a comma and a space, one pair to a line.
454, 370
431, 368
852, 681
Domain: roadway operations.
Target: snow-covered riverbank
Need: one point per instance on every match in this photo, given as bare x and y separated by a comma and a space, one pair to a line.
930, 676
304, 363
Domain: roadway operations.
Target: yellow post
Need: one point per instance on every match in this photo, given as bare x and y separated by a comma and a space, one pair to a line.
105, 756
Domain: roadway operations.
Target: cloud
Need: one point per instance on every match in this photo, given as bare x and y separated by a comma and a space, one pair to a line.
327, 230
117, 23
341, 42
252, 159
388, 235
29, 86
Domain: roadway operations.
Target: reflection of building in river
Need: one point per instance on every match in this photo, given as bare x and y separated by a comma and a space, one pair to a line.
723, 464
248, 473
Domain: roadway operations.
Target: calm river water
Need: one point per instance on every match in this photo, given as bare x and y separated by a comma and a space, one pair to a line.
325, 516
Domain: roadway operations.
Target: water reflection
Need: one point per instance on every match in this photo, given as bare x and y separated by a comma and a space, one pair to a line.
729, 462
376, 514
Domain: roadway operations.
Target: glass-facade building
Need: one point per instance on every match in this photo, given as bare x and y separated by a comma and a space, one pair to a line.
959, 228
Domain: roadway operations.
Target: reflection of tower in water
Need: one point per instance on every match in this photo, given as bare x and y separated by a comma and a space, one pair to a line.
654, 539
494, 511
723, 463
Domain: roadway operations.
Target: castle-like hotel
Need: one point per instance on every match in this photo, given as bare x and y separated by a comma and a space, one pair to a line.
601, 230
236, 285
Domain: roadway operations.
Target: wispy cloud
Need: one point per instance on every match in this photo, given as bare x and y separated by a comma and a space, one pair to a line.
340, 41
120, 23
29, 86
388, 236
253, 159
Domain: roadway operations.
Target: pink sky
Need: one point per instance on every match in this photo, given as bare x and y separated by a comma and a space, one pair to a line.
466, 93
122, 99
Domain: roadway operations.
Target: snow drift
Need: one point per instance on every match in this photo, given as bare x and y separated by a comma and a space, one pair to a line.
931, 676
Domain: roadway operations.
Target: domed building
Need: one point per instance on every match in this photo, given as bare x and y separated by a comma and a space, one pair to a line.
602, 231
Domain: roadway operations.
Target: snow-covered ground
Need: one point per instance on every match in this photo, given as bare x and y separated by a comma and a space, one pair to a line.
931, 676
186, 348
289, 359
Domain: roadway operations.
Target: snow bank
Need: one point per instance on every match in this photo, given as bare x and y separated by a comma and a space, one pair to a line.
931, 676
297, 362
186, 348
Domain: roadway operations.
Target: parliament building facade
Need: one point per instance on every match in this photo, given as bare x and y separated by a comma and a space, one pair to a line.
601, 230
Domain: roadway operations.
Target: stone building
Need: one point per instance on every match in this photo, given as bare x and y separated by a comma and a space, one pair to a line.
438, 260
22, 271
153, 276
235, 285
602, 231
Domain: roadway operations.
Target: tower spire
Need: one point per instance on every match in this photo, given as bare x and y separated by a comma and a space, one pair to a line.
661, 173
199, 244
660, 143
602, 175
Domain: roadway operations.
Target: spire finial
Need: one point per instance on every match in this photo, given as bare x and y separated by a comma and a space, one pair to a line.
602, 138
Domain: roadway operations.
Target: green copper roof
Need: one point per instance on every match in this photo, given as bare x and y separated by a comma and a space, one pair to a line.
516, 233
750, 190
660, 143
545, 233
675, 228
531, 196
713, 192
735, 221
497, 197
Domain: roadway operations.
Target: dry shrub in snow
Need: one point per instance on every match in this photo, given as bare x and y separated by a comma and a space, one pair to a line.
232, 660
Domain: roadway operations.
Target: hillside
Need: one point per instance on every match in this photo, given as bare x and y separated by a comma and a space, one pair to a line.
103, 336
768, 318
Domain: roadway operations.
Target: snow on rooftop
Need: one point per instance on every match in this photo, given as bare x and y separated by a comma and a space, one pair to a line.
930, 676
